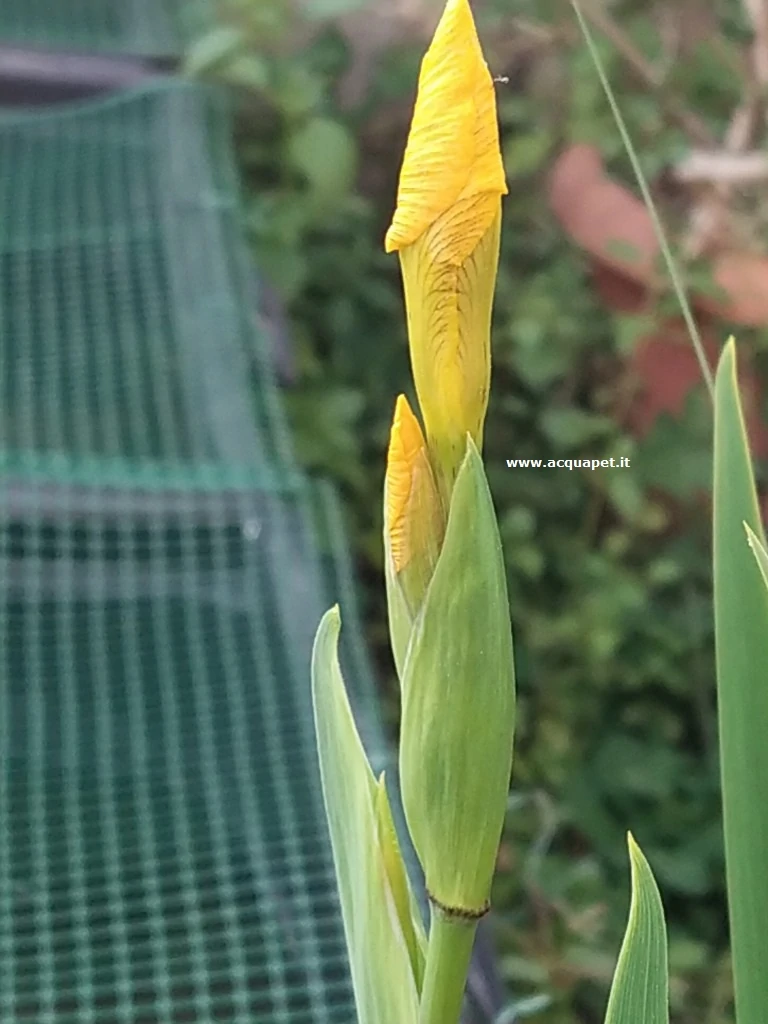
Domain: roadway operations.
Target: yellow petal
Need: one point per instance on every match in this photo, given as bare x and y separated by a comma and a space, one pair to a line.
452, 155
405, 444
449, 329
412, 504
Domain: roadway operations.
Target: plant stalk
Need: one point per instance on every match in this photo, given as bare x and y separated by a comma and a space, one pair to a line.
445, 975
666, 251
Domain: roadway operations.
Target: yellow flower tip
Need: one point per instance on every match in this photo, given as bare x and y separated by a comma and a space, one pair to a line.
406, 446
452, 157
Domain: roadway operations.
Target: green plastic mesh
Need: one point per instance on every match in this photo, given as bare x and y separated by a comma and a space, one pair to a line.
164, 856
125, 308
147, 28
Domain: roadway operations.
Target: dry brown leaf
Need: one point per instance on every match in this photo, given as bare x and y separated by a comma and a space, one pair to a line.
743, 276
603, 217
617, 290
612, 225
666, 370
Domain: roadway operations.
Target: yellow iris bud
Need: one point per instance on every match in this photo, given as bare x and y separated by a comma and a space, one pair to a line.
414, 524
412, 503
446, 229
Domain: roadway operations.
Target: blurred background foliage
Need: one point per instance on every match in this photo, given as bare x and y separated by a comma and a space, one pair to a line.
609, 572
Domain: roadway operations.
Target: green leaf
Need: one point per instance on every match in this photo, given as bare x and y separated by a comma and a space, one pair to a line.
458, 703
213, 49
324, 151
572, 428
741, 641
624, 251
676, 455
639, 992
385, 940
407, 908
700, 277
629, 329
325, 420
297, 89
249, 71
524, 154
758, 550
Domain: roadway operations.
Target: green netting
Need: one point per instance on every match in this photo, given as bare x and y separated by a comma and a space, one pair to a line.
164, 856
125, 305
151, 28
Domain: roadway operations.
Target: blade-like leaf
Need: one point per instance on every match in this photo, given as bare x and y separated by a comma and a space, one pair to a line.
639, 993
741, 635
407, 908
458, 709
382, 936
758, 550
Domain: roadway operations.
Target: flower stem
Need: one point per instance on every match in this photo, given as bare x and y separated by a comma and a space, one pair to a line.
445, 976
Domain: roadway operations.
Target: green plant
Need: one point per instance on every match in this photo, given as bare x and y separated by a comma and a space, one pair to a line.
445, 577
447, 598
609, 573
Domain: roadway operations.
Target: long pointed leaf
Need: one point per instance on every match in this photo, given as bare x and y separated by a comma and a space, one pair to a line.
758, 550
741, 633
639, 993
407, 908
382, 937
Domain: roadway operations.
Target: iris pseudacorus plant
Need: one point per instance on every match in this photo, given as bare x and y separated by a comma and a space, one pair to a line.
445, 577
449, 618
